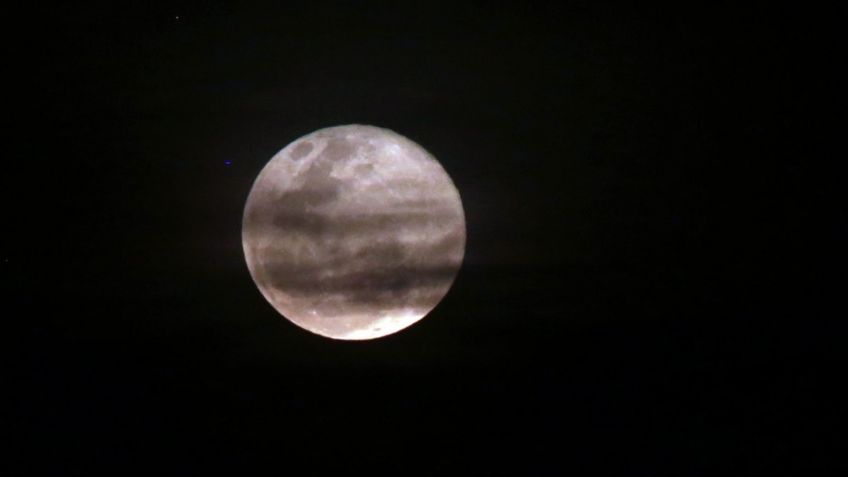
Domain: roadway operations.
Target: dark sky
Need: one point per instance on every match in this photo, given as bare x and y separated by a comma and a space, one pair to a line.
654, 260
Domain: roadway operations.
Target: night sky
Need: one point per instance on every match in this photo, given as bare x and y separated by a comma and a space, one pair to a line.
654, 261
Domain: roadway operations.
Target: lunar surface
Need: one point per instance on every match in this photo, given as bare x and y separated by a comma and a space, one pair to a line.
353, 232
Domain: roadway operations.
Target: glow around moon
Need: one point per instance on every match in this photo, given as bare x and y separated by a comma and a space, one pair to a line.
353, 232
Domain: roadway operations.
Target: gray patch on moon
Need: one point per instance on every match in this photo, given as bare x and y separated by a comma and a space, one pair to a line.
301, 150
357, 241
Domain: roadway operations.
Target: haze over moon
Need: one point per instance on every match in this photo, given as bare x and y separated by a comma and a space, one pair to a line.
353, 232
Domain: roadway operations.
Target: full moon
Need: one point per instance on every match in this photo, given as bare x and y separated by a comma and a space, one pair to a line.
353, 232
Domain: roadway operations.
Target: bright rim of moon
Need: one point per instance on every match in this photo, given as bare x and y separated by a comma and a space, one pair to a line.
353, 232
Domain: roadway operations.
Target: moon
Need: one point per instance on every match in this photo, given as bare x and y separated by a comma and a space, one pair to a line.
353, 232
